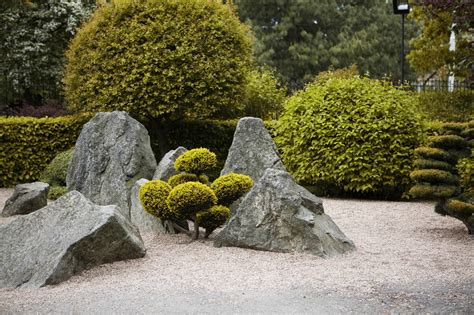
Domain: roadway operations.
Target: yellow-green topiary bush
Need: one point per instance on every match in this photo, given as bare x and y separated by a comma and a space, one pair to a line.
179, 179
56, 171
189, 198
196, 161
153, 195
213, 217
231, 187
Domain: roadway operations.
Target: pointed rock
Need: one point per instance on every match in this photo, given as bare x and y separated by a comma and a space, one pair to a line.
281, 216
26, 198
113, 152
165, 168
69, 235
252, 150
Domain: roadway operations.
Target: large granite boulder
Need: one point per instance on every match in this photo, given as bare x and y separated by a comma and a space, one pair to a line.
144, 221
279, 215
112, 152
165, 168
26, 198
69, 235
252, 150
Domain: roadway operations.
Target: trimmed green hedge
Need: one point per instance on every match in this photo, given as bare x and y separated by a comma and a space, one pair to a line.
28, 144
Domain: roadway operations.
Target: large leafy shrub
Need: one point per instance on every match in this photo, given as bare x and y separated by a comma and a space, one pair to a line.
159, 59
56, 171
352, 133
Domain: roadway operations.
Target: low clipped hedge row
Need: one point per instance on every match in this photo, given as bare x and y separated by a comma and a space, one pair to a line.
28, 144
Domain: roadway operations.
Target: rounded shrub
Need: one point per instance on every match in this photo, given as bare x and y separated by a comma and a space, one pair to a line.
465, 168
153, 195
351, 132
427, 191
213, 217
196, 161
231, 187
56, 192
188, 198
55, 173
158, 58
435, 154
430, 163
179, 179
434, 176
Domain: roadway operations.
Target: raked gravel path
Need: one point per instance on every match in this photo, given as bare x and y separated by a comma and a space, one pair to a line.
408, 260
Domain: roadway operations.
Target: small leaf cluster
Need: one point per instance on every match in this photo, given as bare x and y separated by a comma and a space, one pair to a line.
189, 196
351, 132
444, 172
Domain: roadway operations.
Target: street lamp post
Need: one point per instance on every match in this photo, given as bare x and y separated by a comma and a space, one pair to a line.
402, 7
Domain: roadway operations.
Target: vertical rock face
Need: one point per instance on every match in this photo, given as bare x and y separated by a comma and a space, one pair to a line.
144, 221
26, 198
279, 215
252, 150
67, 236
113, 151
165, 168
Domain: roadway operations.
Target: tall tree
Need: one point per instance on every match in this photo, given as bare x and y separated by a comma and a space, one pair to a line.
301, 38
33, 37
431, 54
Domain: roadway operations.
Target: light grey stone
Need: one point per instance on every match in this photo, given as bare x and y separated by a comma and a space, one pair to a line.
252, 150
279, 215
112, 152
144, 221
26, 198
165, 168
69, 235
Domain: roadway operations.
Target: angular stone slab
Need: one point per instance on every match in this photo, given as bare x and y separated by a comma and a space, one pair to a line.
144, 221
252, 150
26, 198
281, 216
165, 168
112, 152
69, 235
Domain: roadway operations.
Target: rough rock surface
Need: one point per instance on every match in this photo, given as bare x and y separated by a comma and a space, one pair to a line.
113, 152
252, 150
279, 215
26, 198
144, 221
165, 168
63, 238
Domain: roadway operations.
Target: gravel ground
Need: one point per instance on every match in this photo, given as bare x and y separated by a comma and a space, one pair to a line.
408, 260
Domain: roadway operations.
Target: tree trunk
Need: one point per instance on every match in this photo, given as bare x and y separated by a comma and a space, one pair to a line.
196, 227
158, 131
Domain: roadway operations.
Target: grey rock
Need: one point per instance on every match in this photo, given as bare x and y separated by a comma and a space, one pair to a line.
165, 168
279, 215
69, 235
26, 198
112, 152
144, 221
252, 150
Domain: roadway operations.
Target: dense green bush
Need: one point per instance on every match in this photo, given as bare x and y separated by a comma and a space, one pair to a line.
231, 187
28, 144
264, 94
196, 161
182, 178
189, 198
350, 132
56, 192
153, 195
153, 59
465, 168
56, 171
447, 106
213, 217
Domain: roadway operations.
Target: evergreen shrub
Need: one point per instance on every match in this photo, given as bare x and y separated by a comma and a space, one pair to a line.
179, 179
231, 187
159, 58
189, 198
56, 192
153, 195
457, 106
196, 161
350, 132
56, 171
